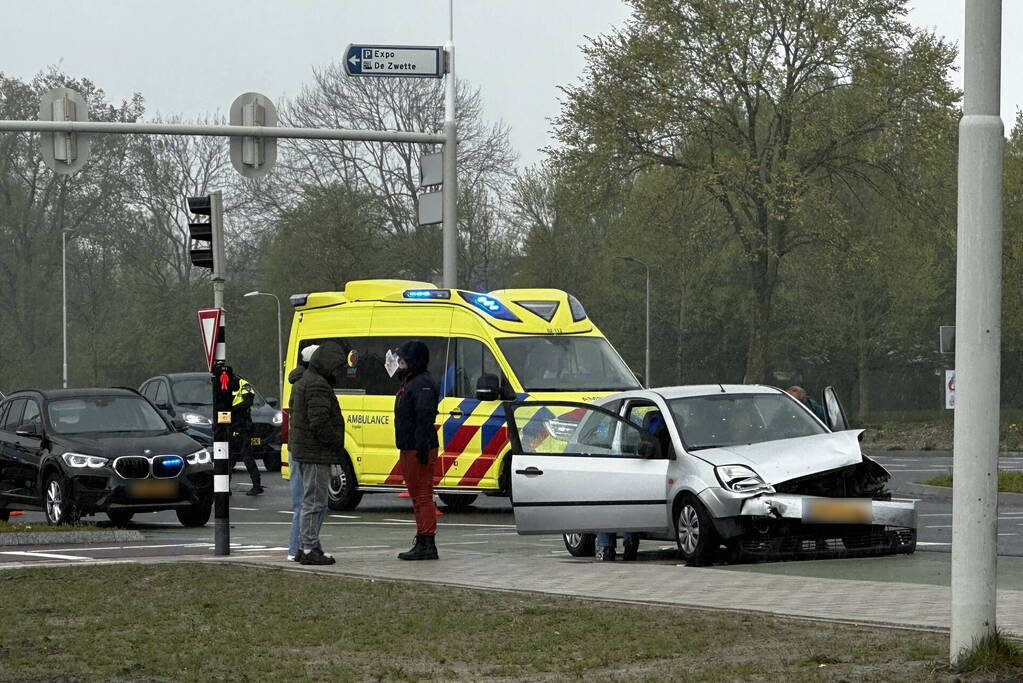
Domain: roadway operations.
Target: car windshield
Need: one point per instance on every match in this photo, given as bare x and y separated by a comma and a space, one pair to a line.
104, 414
193, 392
567, 364
721, 420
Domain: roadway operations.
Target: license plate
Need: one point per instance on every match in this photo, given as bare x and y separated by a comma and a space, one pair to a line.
831, 511
153, 489
257, 441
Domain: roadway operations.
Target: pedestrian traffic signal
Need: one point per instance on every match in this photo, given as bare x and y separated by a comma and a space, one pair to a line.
209, 232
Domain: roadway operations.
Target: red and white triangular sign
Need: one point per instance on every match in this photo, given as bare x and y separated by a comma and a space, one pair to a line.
209, 326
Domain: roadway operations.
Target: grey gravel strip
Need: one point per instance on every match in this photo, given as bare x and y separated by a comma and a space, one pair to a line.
69, 537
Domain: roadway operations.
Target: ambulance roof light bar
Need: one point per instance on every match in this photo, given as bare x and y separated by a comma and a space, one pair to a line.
422, 294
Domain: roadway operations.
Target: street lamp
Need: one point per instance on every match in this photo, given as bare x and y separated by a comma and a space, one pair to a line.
280, 348
633, 259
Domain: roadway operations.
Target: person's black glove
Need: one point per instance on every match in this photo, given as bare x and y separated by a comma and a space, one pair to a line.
423, 457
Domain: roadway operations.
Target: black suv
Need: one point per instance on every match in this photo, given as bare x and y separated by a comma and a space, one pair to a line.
74, 452
189, 396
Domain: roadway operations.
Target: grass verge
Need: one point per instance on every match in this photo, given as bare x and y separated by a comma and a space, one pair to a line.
200, 622
1008, 482
14, 527
993, 655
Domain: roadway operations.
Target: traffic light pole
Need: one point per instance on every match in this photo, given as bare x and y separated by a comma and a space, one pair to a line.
223, 380
219, 267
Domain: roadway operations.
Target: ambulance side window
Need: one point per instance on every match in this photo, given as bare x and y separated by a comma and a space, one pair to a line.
472, 359
365, 374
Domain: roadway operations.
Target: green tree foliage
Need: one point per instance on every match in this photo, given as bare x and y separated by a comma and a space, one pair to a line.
767, 106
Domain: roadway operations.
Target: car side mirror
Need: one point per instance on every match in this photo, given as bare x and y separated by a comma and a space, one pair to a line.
32, 431
273, 402
488, 388
179, 424
649, 447
162, 406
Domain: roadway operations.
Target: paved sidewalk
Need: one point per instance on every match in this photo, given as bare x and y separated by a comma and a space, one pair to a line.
900, 604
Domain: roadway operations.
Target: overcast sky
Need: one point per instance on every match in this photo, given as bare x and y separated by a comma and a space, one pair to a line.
193, 57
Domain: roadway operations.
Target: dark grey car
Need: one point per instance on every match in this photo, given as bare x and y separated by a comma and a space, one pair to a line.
188, 396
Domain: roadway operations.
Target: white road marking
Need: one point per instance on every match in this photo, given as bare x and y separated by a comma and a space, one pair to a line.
52, 556
247, 509
1012, 534
931, 543
255, 550
346, 516
286, 512
944, 469
938, 514
944, 526
402, 521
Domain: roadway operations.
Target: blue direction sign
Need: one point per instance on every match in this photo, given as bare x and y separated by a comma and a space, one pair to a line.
394, 60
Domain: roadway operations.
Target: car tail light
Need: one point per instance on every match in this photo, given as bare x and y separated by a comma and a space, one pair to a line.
285, 420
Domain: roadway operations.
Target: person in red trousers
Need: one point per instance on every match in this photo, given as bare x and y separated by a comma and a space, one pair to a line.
415, 414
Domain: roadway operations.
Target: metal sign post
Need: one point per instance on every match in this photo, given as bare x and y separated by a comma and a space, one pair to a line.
224, 384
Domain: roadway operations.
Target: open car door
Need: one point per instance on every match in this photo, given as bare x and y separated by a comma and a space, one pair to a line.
581, 468
835, 412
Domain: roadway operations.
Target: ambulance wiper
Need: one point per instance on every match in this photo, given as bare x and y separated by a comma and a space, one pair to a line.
706, 446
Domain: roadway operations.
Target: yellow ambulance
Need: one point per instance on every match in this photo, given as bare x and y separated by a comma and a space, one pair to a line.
485, 348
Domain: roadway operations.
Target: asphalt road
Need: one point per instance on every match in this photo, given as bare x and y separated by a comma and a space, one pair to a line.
383, 523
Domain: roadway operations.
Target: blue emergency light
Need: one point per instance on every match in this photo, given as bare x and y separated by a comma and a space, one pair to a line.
490, 306
427, 294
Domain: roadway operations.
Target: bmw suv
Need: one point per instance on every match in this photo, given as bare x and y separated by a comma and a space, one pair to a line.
75, 452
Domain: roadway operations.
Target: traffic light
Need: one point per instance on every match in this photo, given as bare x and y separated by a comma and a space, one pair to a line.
208, 231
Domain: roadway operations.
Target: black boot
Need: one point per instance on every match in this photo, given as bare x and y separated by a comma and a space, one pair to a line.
416, 548
255, 490
424, 549
431, 548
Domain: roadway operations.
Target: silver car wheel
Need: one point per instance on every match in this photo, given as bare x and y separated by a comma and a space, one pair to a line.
688, 528
575, 540
54, 501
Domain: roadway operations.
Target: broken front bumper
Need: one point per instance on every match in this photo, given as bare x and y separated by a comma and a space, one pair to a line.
818, 510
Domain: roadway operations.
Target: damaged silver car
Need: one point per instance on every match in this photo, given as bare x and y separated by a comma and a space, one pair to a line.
729, 472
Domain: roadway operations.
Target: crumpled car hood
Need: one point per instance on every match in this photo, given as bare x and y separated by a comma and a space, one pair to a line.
786, 459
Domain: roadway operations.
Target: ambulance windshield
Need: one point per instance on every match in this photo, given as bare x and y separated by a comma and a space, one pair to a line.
567, 364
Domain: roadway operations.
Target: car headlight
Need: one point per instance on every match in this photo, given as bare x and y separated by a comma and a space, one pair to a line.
79, 460
196, 419
741, 479
278, 418
199, 457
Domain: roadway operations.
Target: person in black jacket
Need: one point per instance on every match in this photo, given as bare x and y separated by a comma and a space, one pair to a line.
415, 435
316, 440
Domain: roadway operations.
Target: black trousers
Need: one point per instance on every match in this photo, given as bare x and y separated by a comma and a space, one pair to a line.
242, 446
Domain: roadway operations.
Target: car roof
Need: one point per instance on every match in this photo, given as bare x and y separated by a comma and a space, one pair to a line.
181, 375
56, 394
691, 390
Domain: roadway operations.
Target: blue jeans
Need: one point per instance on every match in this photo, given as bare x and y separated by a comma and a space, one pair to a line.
606, 539
296, 508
